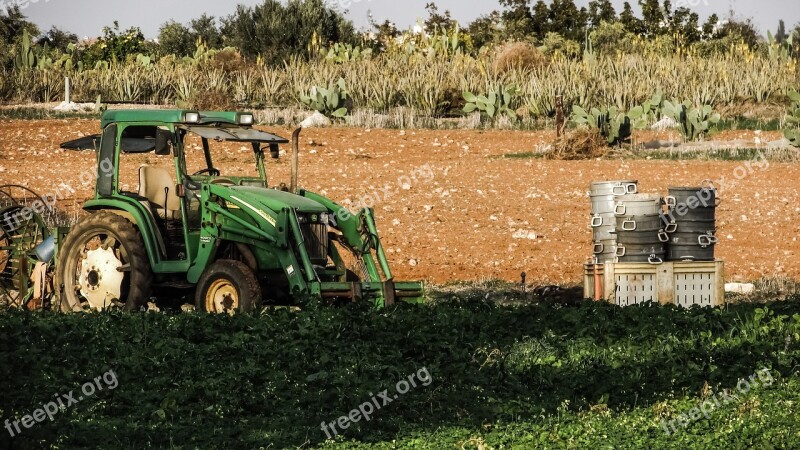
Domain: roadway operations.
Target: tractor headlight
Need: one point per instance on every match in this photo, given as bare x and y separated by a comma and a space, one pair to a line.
191, 117
246, 119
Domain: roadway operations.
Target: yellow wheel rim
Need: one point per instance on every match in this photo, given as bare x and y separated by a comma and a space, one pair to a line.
222, 298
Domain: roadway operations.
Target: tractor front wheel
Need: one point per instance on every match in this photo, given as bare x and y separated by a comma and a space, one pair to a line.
103, 263
227, 287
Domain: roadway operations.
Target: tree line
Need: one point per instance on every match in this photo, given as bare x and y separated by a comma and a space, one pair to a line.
276, 32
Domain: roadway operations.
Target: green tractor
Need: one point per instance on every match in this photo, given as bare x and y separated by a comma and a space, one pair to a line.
232, 239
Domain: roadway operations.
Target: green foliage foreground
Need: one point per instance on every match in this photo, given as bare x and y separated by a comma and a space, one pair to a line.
538, 376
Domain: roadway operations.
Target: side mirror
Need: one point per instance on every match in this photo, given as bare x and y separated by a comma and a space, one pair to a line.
163, 142
274, 151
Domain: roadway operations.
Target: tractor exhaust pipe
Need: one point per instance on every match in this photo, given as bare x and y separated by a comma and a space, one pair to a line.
295, 159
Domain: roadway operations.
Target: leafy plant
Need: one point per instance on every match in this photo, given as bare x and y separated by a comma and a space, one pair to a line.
792, 132
615, 126
495, 103
331, 101
652, 106
695, 121
26, 58
342, 53
780, 50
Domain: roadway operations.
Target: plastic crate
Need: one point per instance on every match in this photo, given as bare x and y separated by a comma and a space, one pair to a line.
677, 283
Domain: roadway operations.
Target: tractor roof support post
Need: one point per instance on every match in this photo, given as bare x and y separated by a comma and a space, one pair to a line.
295, 159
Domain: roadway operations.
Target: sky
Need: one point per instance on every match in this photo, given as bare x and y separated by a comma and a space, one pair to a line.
88, 17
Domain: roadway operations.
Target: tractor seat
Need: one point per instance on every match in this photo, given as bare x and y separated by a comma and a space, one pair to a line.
157, 186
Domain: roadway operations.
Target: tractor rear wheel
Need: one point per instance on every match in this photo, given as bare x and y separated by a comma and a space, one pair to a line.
103, 263
227, 287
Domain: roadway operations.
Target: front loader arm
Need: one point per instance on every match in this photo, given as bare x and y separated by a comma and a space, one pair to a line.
360, 232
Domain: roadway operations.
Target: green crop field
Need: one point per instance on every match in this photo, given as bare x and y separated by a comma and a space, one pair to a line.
487, 376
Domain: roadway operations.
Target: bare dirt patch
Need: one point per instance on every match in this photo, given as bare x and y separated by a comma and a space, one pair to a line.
482, 215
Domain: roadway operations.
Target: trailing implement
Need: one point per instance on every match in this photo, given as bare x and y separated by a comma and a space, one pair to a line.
228, 239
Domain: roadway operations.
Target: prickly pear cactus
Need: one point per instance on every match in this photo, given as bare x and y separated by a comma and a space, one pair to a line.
331, 101
695, 122
792, 130
614, 125
25, 58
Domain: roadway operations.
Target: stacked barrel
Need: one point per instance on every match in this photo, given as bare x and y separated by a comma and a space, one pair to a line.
640, 230
692, 223
604, 197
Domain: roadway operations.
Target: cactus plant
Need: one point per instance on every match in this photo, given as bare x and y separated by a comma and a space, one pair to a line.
695, 122
652, 106
332, 102
615, 126
342, 53
496, 102
792, 130
25, 58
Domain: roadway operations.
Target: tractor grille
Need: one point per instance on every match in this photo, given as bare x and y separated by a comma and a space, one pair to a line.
315, 236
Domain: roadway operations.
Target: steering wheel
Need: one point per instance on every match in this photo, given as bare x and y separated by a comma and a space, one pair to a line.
210, 171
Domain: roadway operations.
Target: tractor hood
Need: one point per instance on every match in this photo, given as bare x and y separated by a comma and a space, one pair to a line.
277, 200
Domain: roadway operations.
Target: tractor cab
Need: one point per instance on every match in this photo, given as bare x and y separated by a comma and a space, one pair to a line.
190, 203
175, 156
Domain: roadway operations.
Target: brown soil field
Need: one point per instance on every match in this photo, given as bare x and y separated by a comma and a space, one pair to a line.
451, 207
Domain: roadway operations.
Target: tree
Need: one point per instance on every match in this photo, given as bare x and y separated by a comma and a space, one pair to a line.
567, 20
385, 33
612, 37
517, 19
653, 17
436, 21
685, 24
278, 32
629, 20
116, 45
205, 28
601, 11
744, 30
486, 30
710, 27
58, 39
780, 35
175, 39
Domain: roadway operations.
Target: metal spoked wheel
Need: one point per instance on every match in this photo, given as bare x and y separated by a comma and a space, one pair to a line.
21, 231
44, 206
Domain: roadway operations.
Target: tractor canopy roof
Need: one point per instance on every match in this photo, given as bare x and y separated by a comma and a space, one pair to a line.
177, 116
139, 136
